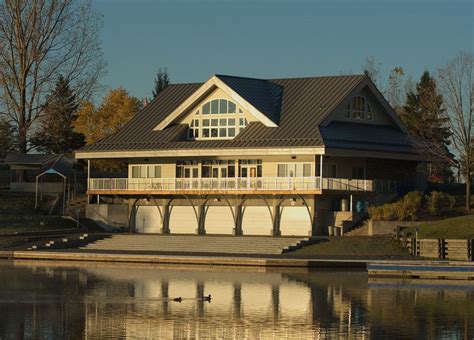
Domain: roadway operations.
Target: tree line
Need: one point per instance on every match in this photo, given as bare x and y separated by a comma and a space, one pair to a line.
438, 112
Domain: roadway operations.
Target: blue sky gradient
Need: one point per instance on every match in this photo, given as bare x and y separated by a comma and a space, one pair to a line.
274, 39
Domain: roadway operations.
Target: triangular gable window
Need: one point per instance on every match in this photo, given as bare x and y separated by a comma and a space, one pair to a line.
217, 119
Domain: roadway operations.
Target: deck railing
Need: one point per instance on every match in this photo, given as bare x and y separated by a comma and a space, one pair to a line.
238, 183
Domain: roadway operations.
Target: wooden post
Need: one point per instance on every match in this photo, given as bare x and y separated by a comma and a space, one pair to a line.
321, 172
36, 193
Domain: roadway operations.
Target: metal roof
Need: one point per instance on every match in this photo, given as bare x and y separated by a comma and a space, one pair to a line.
297, 105
30, 159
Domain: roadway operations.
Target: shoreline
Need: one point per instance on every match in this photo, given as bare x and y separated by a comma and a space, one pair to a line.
410, 269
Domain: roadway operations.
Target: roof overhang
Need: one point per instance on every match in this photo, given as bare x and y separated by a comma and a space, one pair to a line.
373, 154
213, 83
223, 152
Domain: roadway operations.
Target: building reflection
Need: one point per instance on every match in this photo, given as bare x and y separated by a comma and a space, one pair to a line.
118, 301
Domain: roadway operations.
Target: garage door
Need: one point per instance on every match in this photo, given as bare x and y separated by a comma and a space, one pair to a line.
183, 220
219, 220
257, 221
148, 219
295, 221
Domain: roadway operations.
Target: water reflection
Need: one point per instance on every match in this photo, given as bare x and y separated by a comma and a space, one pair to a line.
52, 300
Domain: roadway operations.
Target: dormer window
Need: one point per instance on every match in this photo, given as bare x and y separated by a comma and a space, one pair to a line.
219, 119
359, 108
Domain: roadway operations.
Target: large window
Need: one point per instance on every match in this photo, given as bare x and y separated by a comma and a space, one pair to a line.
294, 170
146, 171
359, 108
218, 169
220, 119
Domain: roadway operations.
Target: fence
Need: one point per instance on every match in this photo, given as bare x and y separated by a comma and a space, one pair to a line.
452, 249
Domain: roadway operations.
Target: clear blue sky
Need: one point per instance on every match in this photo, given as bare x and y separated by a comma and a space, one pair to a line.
272, 39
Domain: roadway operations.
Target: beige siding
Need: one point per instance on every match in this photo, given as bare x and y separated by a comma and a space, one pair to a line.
219, 220
380, 116
257, 221
295, 221
183, 220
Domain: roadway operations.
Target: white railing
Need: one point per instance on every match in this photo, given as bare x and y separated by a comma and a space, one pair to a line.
236, 183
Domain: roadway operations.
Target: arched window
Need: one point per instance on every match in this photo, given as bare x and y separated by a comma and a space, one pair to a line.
219, 106
359, 108
217, 119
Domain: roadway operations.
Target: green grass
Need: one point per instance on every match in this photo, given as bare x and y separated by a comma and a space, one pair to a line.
17, 214
461, 227
353, 247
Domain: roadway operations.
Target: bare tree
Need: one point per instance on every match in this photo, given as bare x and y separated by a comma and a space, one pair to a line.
371, 68
39, 40
457, 86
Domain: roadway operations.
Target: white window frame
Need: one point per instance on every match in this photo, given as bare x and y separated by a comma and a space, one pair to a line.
144, 169
352, 114
295, 163
197, 128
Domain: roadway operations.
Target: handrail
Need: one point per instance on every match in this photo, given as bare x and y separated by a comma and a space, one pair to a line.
237, 183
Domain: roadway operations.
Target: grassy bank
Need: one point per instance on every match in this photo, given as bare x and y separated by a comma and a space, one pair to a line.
461, 227
17, 214
353, 247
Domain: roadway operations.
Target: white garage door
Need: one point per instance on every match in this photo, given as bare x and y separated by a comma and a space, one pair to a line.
148, 219
219, 220
295, 221
257, 221
183, 220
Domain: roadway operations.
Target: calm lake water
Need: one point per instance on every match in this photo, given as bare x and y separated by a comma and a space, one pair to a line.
51, 300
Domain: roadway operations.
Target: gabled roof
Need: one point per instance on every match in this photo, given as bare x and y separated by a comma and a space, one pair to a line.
38, 159
353, 136
299, 107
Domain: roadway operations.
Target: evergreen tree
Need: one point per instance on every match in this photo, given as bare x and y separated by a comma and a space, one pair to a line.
8, 137
55, 133
162, 80
424, 116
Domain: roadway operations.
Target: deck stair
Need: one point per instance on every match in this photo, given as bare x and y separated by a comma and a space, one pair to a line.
79, 202
197, 244
361, 230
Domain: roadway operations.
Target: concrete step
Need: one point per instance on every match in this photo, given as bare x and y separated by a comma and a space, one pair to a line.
193, 243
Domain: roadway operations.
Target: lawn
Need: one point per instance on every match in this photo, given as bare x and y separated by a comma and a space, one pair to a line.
352, 247
17, 214
461, 227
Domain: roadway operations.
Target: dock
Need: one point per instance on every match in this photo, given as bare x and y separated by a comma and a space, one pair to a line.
450, 270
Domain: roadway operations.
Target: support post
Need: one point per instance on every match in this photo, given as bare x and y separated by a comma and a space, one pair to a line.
36, 193
238, 220
350, 204
321, 172
202, 220
276, 220
166, 219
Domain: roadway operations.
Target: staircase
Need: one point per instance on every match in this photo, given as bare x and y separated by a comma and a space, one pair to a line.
80, 202
197, 244
361, 230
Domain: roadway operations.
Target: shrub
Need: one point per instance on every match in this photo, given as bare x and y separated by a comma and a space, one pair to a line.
439, 202
412, 204
407, 208
376, 212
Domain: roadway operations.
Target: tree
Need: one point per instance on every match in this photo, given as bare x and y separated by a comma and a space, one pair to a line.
371, 69
7, 137
56, 132
38, 41
162, 80
425, 118
96, 123
395, 87
457, 85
